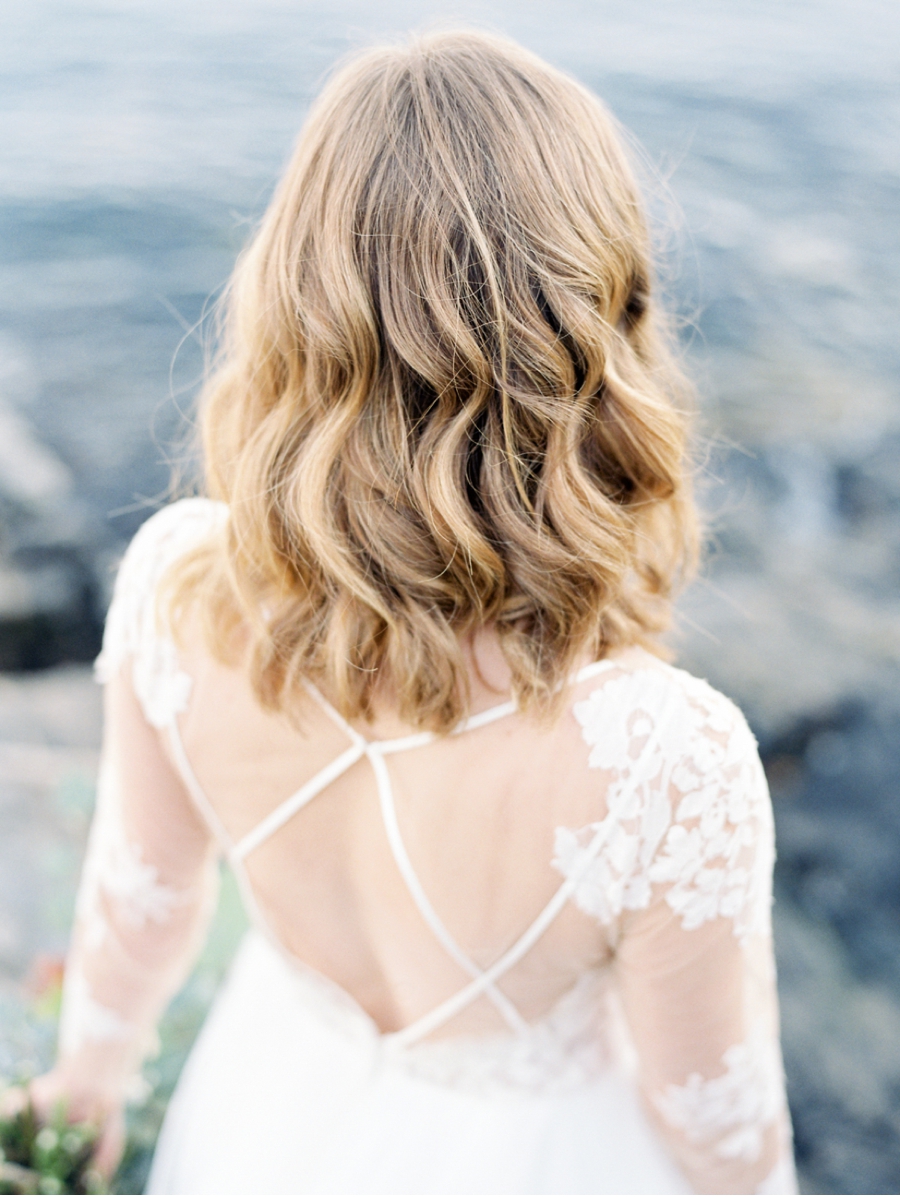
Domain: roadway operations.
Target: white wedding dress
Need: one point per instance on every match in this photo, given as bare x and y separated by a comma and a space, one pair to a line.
656, 1070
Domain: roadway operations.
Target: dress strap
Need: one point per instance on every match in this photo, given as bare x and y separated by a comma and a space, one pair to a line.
485, 717
205, 808
465, 997
483, 981
419, 739
593, 670
334, 715
482, 718
375, 750
287, 809
404, 866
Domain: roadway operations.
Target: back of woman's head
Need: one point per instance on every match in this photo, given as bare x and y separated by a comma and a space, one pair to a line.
444, 400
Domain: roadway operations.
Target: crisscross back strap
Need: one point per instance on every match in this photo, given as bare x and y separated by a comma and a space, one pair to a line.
404, 865
360, 747
483, 982
375, 751
287, 809
465, 997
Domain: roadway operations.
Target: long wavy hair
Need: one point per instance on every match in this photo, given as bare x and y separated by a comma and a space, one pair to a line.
445, 397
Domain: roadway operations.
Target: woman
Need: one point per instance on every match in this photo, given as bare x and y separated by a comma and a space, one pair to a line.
509, 872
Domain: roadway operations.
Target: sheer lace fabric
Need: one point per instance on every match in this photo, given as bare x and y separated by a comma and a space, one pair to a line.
686, 886
675, 870
149, 879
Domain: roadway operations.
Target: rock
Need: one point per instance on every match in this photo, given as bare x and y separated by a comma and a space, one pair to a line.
49, 608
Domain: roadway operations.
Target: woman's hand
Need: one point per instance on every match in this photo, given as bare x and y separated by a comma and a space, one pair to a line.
55, 1090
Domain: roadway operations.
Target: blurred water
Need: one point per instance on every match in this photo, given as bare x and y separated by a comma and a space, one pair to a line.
139, 141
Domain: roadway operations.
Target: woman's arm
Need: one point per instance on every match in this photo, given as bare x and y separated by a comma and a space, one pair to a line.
149, 879
697, 975
702, 1012
147, 890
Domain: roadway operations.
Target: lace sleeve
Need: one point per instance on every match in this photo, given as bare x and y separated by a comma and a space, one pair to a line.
149, 878
685, 891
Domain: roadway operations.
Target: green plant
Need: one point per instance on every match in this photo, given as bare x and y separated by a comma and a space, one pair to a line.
47, 1156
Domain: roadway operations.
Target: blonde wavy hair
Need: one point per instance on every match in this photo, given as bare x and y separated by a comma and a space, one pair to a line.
445, 397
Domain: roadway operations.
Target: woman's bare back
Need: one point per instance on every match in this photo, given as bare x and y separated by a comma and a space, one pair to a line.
477, 813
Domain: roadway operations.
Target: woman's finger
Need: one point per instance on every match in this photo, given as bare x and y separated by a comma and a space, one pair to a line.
13, 1101
110, 1145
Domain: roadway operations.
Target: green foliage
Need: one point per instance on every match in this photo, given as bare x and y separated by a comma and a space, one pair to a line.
49, 1157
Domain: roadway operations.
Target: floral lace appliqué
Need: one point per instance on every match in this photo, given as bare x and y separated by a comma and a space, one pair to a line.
697, 820
85, 1020
729, 1113
132, 627
134, 887
118, 881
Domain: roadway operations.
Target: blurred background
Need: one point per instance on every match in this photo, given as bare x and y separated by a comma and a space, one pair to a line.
140, 141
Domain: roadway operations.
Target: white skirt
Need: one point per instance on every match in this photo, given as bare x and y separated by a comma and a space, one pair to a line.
288, 1090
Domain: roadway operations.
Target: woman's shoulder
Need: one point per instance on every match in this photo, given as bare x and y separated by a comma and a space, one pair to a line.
687, 794
635, 695
171, 531
134, 629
